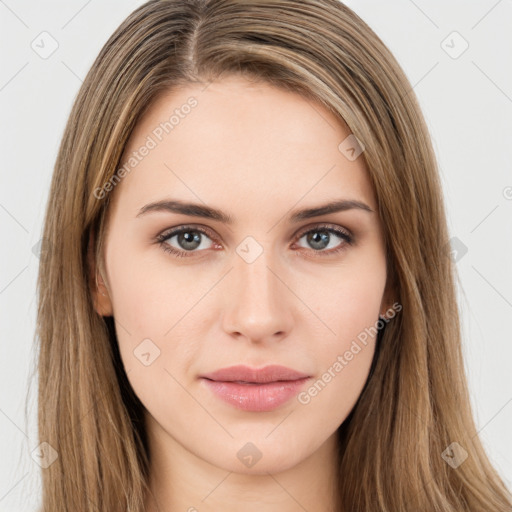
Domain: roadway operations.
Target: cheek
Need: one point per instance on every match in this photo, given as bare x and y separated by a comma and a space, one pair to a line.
344, 359
351, 301
350, 308
150, 294
356, 306
153, 303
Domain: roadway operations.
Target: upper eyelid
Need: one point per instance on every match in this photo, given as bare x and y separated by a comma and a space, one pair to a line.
326, 225
170, 232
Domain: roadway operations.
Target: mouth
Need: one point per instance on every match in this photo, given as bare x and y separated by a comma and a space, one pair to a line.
256, 390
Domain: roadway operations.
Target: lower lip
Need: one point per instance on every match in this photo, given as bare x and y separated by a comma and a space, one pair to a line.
256, 397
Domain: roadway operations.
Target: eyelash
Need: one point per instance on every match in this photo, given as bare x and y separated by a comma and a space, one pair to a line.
162, 238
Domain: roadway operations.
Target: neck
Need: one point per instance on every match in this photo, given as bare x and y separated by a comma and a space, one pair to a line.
179, 480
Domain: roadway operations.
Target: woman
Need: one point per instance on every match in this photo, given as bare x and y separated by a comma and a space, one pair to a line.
248, 302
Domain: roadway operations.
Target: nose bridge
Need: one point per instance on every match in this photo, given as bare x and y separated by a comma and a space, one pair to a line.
257, 306
255, 280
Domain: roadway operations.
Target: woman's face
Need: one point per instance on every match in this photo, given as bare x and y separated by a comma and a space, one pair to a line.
279, 284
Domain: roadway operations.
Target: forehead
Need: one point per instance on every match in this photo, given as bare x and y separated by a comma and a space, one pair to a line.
243, 142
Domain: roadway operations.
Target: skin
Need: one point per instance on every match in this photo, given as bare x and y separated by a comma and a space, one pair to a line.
257, 153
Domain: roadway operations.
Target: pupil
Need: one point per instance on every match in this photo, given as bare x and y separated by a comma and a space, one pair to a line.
318, 238
189, 241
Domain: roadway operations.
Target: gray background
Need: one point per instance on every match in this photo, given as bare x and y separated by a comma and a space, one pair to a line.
466, 99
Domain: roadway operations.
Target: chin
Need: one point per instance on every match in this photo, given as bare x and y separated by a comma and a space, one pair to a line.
259, 457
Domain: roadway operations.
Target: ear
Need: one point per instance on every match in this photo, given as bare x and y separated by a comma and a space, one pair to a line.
99, 291
387, 298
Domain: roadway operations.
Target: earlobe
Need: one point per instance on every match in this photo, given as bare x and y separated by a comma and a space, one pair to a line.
384, 311
99, 290
102, 303
386, 305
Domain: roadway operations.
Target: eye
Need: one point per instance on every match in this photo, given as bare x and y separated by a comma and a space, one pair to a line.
187, 240
327, 237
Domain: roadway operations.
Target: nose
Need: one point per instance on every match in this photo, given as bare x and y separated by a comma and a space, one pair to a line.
258, 304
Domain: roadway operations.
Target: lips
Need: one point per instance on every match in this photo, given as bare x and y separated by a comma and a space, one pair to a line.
271, 373
255, 389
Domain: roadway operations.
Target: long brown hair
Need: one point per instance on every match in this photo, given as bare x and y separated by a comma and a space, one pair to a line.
415, 404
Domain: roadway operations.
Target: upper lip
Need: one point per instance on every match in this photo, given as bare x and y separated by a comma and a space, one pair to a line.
241, 373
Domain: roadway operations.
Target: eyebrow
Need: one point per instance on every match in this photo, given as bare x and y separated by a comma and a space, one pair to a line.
207, 212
